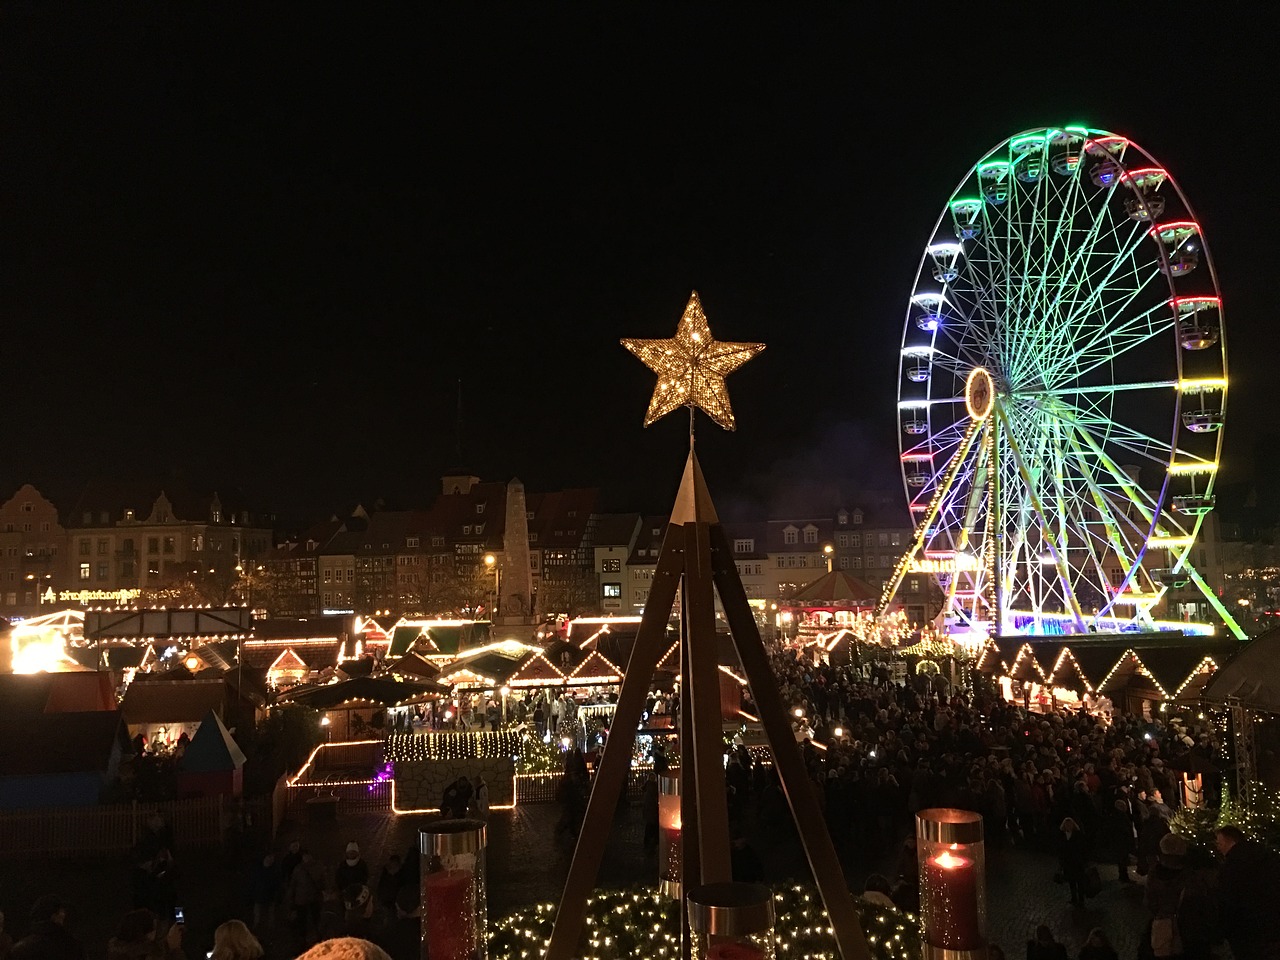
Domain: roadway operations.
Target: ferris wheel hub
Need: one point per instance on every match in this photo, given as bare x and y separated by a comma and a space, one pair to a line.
979, 393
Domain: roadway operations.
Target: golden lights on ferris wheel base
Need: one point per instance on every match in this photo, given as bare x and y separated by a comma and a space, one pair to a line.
979, 393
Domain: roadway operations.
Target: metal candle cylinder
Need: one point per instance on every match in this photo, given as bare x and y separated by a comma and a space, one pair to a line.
731, 921
670, 849
454, 910
953, 902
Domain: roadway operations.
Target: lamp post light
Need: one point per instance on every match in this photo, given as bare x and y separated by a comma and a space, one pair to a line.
491, 561
828, 549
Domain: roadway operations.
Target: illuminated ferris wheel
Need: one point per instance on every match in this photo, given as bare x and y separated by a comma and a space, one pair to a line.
1062, 392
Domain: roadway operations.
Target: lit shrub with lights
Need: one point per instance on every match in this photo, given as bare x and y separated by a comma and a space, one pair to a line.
636, 922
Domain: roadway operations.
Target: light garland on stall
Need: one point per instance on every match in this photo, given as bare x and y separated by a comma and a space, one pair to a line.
630, 923
486, 744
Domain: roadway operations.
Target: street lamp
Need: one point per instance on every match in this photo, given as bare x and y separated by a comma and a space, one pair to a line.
491, 561
828, 549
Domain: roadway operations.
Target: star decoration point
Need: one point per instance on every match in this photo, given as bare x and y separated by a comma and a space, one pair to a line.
691, 367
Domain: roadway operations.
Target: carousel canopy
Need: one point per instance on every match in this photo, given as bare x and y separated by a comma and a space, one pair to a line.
358, 691
837, 587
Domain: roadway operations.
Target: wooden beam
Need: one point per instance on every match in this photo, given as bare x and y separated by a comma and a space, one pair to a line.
615, 764
708, 730
797, 786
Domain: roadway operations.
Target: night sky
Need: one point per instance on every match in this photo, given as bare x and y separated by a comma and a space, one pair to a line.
263, 248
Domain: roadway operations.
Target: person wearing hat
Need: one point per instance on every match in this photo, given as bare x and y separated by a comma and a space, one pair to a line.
352, 870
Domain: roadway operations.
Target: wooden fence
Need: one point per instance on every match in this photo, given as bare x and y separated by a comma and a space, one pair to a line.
75, 831
541, 787
351, 796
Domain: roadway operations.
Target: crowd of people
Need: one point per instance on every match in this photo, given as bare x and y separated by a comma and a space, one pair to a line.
1098, 791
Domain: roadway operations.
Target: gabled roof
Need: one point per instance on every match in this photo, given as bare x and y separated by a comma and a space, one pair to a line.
212, 748
172, 701
648, 542
31, 695
68, 743
596, 668
560, 518
536, 670
616, 529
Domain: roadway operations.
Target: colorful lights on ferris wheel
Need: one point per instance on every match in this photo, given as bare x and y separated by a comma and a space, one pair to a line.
1199, 321
931, 305
993, 177
965, 217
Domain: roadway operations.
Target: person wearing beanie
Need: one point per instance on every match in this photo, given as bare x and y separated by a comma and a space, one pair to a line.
352, 871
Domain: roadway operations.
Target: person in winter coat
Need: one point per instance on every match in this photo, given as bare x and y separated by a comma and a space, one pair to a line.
352, 871
1178, 893
1098, 947
1246, 895
48, 938
1072, 859
1044, 947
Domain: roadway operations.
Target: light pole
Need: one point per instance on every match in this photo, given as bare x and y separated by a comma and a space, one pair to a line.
828, 549
491, 561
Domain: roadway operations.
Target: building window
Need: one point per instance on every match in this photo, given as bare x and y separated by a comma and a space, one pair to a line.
44, 526
842, 540
437, 541
844, 563
611, 591
857, 516
744, 546
153, 544
11, 598
914, 584
895, 539
411, 541
84, 572
886, 560
153, 568
788, 536
882, 539
479, 508
466, 530
479, 529
168, 545
613, 565
85, 548
857, 563
328, 575
811, 536
104, 570
855, 539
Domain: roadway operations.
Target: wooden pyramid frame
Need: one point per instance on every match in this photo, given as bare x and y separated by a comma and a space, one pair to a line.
696, 556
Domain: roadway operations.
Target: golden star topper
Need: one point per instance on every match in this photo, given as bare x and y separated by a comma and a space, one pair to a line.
691, 367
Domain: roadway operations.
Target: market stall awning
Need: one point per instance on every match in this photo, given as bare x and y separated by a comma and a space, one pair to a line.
1252, 676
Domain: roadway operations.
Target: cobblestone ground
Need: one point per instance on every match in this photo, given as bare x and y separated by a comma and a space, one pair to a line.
527, 865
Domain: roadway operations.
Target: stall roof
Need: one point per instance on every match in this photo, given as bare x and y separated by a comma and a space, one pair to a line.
1252, 676
172, 701
383, 690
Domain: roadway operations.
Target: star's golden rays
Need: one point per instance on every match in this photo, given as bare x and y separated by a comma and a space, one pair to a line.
691, 367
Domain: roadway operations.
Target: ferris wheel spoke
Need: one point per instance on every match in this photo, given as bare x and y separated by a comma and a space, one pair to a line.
1107, 345
1123, 268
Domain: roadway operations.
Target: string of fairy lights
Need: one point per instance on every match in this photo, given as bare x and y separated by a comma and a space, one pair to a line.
636, 922
452, 745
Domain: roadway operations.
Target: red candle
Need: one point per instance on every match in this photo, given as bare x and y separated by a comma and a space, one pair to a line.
670, 853
735, 950
949, 902
450, 916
